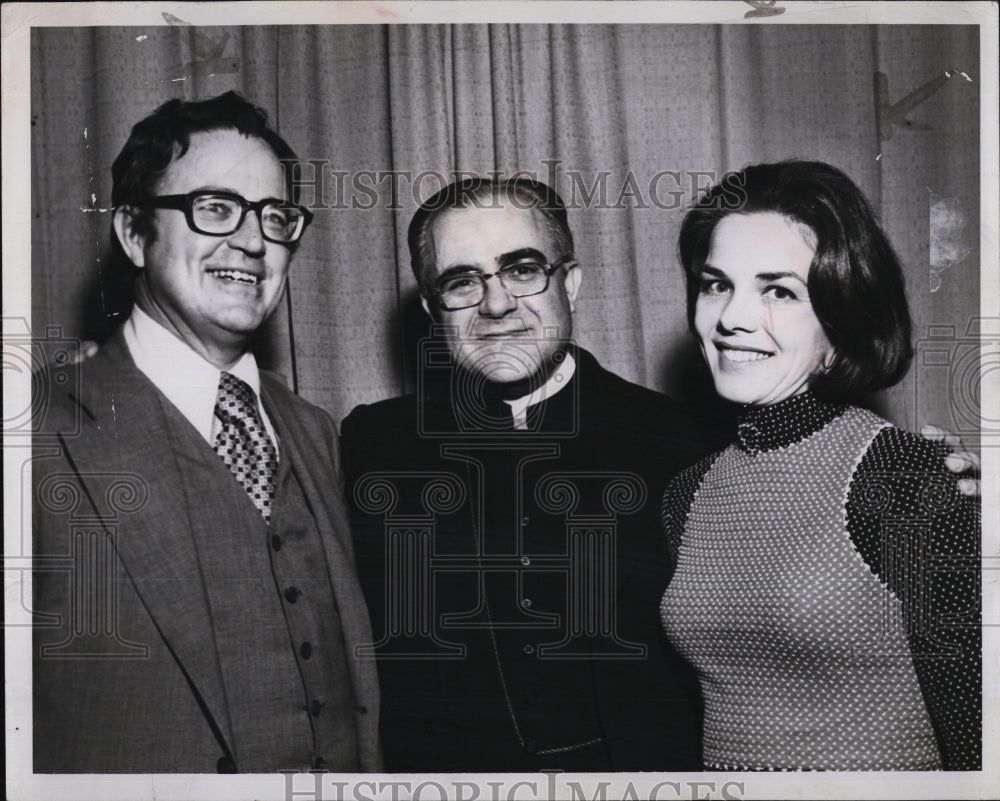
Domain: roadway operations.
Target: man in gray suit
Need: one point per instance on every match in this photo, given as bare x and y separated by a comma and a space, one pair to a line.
197, 608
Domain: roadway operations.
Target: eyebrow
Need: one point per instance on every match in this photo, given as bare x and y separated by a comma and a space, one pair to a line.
521, 254
775, 276
229, 191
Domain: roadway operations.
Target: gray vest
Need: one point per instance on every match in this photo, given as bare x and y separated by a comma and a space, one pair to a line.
277, 630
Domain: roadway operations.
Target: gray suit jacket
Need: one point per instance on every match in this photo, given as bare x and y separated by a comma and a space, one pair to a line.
126, 679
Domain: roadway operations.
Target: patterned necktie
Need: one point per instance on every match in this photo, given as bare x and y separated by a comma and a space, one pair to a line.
243, 444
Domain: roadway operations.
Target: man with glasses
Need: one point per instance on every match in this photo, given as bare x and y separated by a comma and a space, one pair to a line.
227, 614
506, 516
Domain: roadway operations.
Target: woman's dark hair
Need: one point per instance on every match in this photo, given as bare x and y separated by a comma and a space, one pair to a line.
166, 135
855, 280
475, 192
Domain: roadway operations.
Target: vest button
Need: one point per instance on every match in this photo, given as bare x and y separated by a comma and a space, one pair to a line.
292, 594
276, 542
225, 765
315, 708
319, 763
306, 650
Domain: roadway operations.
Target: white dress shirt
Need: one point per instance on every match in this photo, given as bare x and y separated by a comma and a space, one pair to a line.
190, 382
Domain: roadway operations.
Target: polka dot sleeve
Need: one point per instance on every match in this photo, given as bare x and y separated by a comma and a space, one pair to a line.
921, 537
677, 502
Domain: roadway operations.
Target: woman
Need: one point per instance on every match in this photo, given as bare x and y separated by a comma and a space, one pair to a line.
824, 566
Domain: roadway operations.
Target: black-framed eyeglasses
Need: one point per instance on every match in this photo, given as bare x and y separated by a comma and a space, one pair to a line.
222, 214
520, 279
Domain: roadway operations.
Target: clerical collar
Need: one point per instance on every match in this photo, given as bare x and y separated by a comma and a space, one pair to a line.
558, 380
766, 428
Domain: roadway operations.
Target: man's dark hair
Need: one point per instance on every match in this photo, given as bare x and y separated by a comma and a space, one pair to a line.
474, 192
165, 135
855, 279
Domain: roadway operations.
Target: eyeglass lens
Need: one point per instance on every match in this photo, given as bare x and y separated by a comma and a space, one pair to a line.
520, 280
218, 214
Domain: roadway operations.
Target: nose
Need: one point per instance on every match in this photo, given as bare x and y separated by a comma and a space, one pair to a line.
248, 237
742, 312
497, 301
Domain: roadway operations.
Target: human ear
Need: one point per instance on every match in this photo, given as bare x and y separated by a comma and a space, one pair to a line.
572, 282
132, 242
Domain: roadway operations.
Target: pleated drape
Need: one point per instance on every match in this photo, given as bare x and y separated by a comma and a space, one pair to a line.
629, 121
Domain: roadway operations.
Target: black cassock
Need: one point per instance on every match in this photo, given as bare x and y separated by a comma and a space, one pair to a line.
514, 576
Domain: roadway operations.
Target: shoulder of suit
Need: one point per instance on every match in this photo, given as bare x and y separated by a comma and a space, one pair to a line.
277, 387
68, 395
384, 413
387, 409
602, 382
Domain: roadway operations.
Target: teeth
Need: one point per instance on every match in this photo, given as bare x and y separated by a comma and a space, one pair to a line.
236, 275
743, 355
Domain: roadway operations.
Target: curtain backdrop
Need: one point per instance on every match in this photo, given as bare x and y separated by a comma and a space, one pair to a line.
627, 120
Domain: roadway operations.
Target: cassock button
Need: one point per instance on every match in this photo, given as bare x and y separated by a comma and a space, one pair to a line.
531, 747
276, 542
292, 594
315, 708
306, 650
225, 765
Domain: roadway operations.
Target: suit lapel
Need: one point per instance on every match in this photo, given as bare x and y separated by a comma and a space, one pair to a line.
134, 436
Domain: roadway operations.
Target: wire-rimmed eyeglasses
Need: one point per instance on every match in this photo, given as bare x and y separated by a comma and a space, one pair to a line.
520, 279
222, 213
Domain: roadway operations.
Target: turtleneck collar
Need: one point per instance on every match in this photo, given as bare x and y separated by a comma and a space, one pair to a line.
766, 428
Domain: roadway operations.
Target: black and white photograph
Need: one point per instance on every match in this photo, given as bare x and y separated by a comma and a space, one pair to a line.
501, 400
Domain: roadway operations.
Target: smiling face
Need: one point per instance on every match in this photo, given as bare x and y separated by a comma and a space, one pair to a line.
213, 292
506, 340
753, 315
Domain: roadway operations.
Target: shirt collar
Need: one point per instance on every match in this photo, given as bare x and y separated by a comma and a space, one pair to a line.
559, 379
187, 379
766, 428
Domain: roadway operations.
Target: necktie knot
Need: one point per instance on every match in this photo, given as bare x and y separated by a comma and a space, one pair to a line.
235, 400
243, 444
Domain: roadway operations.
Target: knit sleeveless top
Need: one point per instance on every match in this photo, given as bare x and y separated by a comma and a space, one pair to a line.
801, 651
